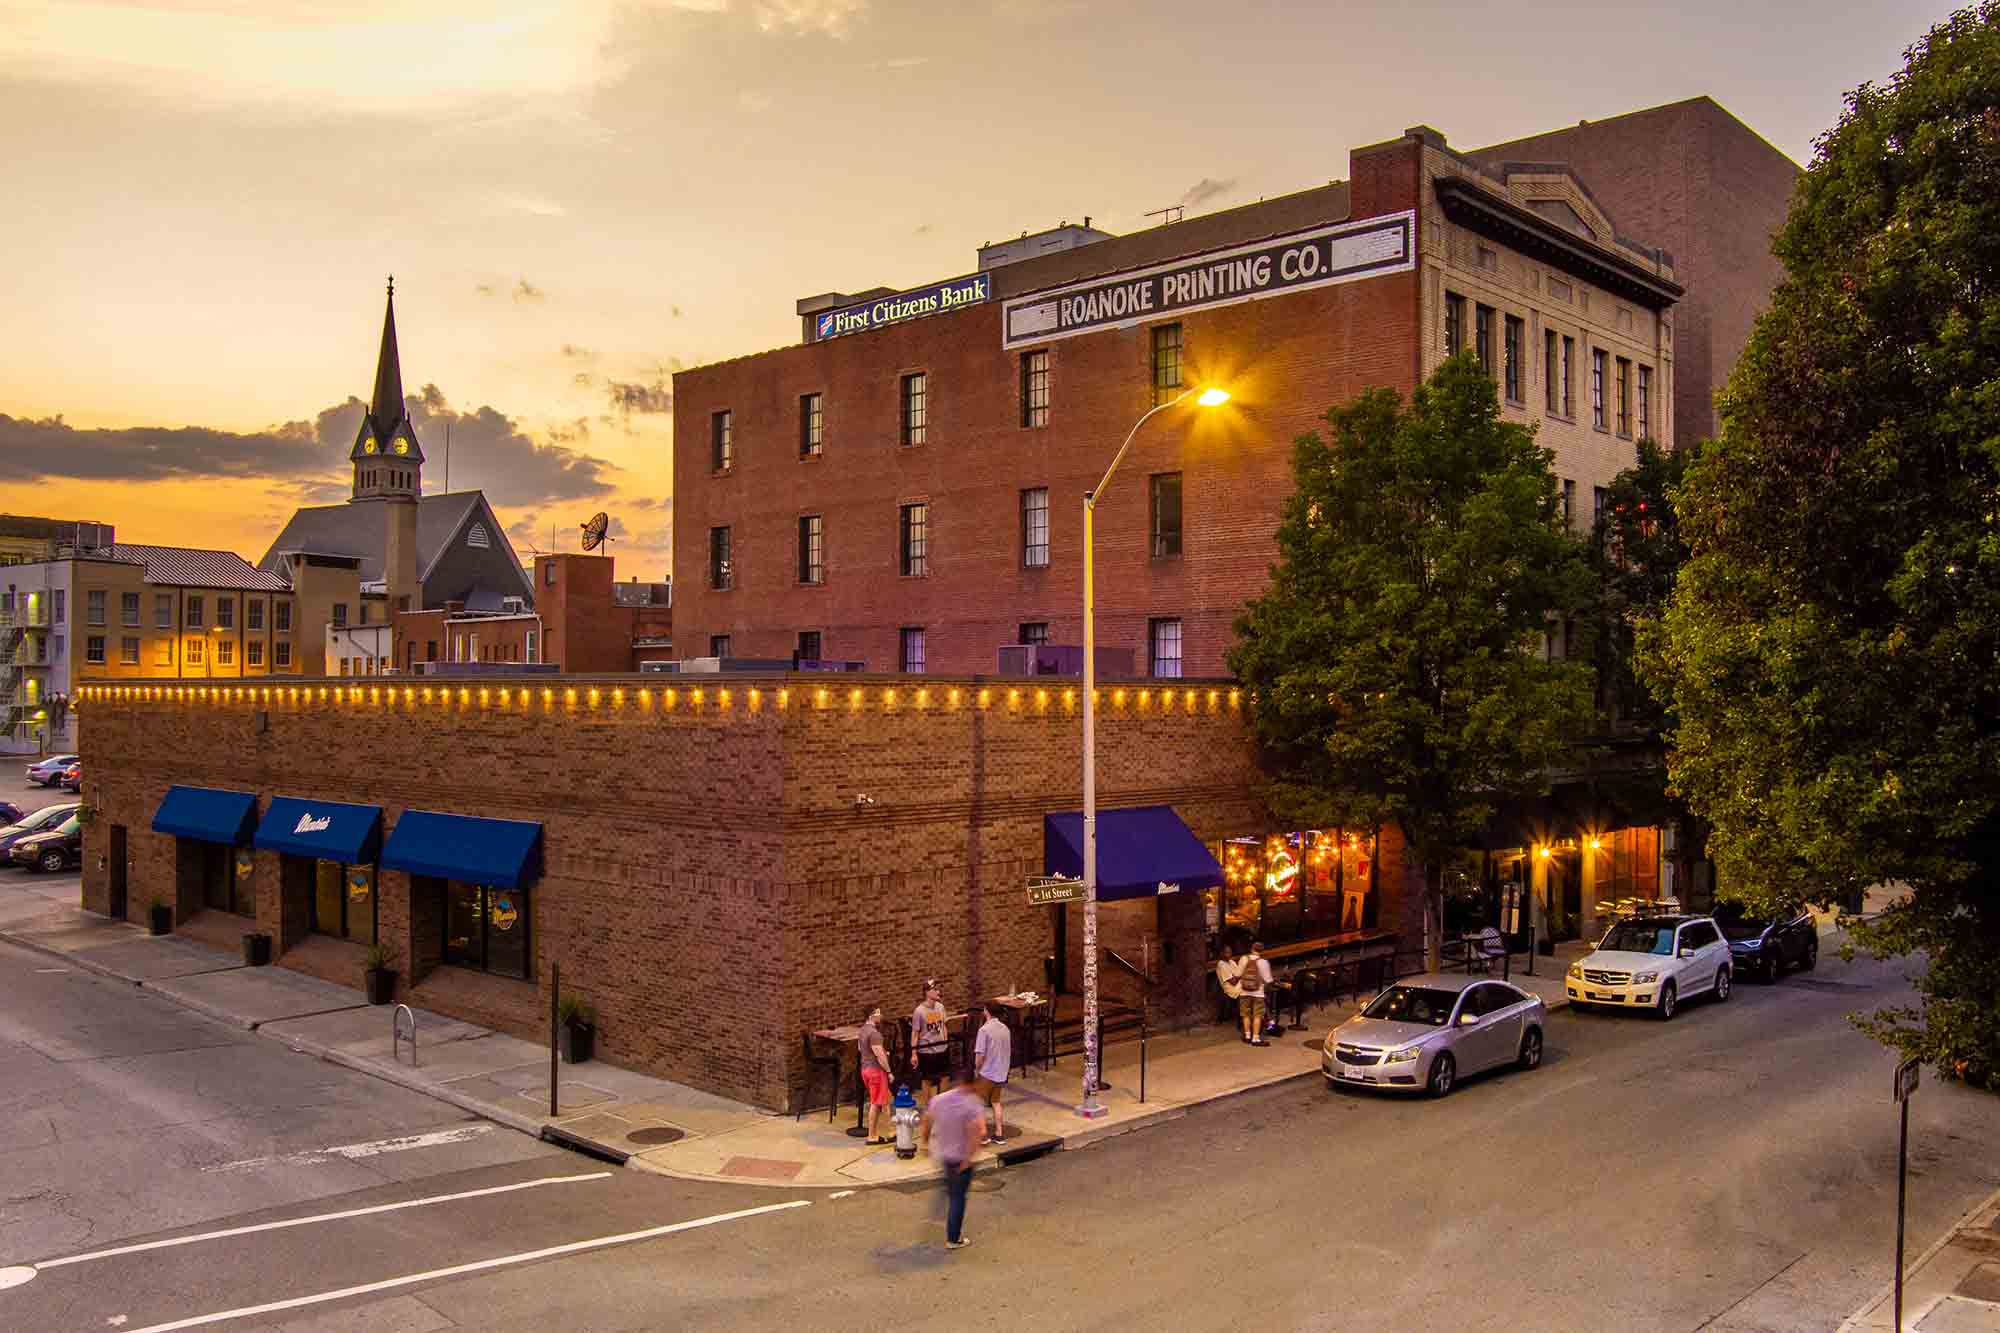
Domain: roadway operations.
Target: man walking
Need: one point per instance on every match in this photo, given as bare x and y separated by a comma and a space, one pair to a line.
875, 1074
992, 1060
955, 1118
1251, 979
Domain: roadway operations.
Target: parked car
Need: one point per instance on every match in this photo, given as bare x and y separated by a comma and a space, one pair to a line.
1768, 945
72, 778
48, 772
1428, 1032
53, 849
1653, 962
10, 813
36, 821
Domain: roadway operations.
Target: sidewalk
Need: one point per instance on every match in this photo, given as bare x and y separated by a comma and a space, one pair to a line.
651, 1123
1953, 1287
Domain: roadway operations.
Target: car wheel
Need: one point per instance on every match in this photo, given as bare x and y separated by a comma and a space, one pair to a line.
1721, 984
1668, 1000
53, 861
1812, 954
1531, 1049
1444, 1071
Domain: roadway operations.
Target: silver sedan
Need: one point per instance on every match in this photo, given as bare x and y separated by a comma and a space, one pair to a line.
1425, 1033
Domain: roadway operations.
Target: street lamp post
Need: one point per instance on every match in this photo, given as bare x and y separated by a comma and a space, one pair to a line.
1091, 1108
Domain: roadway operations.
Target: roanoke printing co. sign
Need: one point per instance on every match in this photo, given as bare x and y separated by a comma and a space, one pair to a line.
1303, 260
934, 300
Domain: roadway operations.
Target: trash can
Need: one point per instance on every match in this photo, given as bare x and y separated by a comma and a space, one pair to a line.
256, 949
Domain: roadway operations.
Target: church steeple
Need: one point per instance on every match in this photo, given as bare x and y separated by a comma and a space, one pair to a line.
388, 463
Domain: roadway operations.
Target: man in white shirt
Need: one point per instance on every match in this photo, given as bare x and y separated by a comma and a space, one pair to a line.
1227, 970
992, 1061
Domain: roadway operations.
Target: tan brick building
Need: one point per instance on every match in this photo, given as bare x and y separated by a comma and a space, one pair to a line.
907, 493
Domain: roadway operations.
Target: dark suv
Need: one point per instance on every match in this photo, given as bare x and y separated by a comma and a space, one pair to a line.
1768, 945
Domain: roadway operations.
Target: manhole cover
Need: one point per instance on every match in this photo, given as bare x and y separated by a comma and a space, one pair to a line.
660, 1134
1316, 1044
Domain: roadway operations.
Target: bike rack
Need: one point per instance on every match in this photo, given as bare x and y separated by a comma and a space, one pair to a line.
396, 1034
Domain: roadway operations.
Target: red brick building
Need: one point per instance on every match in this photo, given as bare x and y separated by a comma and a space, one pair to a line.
596, 624
1693, 178
904, 488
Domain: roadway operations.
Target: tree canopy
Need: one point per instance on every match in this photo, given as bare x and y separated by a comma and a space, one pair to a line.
1829, 655
1395, 664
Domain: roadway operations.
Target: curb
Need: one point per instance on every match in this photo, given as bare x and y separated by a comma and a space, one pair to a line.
1888, 1289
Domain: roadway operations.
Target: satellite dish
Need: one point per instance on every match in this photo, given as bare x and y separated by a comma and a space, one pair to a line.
593, 531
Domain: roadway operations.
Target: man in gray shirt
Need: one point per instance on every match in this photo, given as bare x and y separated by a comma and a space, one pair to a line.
992, 1060
875, 1074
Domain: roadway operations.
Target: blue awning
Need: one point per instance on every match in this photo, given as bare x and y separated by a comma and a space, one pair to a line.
208, 814
503, 853
328, 830
1141, 852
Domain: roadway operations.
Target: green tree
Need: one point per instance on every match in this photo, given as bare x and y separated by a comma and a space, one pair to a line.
1831, 655
1395, 665
1637, 551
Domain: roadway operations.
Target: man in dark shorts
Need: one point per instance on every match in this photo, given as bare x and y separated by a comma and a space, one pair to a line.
930, 1043
875, 1074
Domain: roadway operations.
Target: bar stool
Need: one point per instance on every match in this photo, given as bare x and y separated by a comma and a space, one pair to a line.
814, 1063
1312, 988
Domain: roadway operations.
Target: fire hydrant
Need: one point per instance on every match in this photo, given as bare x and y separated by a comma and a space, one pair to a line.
903, 1110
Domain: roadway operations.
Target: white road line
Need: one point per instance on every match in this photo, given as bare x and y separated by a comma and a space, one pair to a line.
318, 1217
356, 1151
457, 1270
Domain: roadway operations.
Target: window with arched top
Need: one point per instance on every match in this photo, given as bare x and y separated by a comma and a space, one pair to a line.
476, 535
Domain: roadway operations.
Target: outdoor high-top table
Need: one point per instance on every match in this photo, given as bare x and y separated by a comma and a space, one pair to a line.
849, 1034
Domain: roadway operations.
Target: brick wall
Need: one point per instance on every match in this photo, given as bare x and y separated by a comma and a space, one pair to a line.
711, 881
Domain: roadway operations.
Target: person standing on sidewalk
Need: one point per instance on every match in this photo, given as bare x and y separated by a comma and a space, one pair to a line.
955, 1118
875, 1074
930, 1044
1252, 978
1227, 971
992, 1060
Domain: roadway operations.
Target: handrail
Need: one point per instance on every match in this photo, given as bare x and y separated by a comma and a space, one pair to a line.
1112, 954
396, 1034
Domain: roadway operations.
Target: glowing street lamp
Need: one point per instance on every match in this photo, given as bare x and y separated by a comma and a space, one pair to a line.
1091, 1107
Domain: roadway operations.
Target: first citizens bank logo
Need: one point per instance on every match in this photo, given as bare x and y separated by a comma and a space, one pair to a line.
945, 296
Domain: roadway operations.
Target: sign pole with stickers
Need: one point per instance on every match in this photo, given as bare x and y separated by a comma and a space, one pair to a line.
1906, 1083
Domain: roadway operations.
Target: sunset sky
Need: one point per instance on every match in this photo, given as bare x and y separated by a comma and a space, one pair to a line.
204, 198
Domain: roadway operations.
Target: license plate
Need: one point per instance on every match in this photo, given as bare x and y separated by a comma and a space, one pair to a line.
1355, 1074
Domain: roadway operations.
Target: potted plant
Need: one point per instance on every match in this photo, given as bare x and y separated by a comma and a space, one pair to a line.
160, 915
576, 1030
379, 977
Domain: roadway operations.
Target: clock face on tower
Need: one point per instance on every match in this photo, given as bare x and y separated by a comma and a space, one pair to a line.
369, 446
400, 445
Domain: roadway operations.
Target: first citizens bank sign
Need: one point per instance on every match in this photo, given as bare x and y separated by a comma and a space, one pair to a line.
933, 300
1345, 252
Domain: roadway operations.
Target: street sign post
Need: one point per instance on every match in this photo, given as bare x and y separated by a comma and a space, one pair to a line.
1906, 1083
1045, 890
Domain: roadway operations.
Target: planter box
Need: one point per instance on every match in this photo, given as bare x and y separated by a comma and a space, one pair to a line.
161, 919
576, 1042
380, 983
256, 949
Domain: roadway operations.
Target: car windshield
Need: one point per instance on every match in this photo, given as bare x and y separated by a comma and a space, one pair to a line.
70, 825
1413, 1004
1640, 937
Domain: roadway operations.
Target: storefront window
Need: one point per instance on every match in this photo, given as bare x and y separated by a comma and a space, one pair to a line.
486, 929
226, 884
1293, 886
344, 901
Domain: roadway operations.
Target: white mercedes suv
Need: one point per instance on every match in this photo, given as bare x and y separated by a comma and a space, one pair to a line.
1653, 962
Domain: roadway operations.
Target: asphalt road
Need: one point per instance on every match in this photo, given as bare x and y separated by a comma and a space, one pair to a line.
1731, 1170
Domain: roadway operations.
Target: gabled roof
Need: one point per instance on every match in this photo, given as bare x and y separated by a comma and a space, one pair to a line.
360, 529
193, 568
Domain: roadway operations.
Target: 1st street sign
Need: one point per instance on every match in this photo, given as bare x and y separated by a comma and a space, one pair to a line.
1906, 1078
1044, 890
